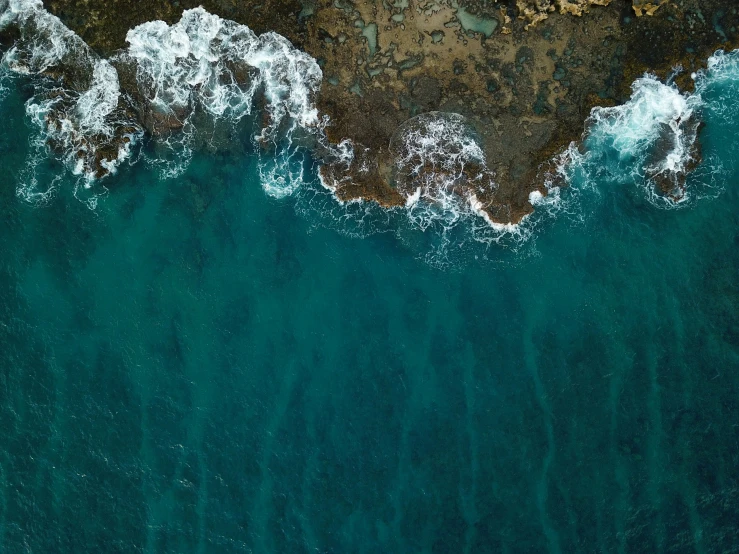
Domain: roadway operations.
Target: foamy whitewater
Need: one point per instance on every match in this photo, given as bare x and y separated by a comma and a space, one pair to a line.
202, 63
654, 135
208, 63
83, 122
205, 74
437, 158
193, 63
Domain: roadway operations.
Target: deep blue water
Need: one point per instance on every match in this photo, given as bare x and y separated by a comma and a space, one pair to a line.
194, 366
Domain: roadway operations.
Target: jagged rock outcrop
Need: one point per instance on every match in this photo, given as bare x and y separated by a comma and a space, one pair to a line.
535, 11
647, 7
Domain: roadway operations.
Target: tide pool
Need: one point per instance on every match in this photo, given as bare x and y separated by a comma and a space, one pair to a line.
197, 366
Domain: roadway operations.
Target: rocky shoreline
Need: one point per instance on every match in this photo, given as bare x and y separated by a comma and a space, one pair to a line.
521, 75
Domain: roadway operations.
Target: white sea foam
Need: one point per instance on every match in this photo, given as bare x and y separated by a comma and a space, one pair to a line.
207, 62
45, 41
437, 163
282, 172
439, 167
653, 135
94, 106
202, 63
720, 78
205, 65
721, 67
5, 14
76, 121
559, 200
443, 140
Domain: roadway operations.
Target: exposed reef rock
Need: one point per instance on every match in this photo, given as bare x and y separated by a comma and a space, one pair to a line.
522, 76
647, 7
535, 11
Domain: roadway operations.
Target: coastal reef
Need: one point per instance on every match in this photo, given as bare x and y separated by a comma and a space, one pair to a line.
505, 85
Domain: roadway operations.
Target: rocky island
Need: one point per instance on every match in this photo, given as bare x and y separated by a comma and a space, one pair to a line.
500, 86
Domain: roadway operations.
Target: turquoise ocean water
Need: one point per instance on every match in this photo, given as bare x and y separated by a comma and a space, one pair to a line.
196, 366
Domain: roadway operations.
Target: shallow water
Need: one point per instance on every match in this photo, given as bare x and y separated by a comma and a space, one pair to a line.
196, 366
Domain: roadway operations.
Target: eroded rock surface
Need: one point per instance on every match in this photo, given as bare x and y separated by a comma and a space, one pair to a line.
523, 74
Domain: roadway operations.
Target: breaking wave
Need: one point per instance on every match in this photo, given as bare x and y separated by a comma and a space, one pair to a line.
206, 82
201, 66
652, 141
86, 121
205, 63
